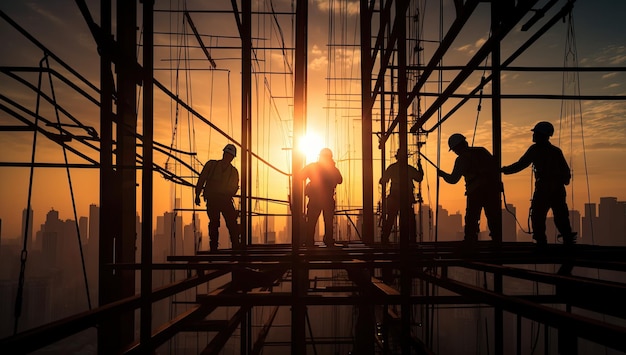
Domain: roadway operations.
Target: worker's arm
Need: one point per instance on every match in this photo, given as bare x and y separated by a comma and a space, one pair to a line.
453, 177
519, 165
201, 181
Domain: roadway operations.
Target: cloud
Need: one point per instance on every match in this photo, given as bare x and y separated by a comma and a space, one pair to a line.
471, 48
317, 51
612, 86
609, 75
607, 146
612, 54
318, 59
48, 15
618, 59
319, 63
468, 48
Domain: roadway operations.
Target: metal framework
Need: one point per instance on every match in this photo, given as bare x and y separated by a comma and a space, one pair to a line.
393, 288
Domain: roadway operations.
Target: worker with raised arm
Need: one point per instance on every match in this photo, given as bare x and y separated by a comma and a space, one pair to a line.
482, 186
552, 174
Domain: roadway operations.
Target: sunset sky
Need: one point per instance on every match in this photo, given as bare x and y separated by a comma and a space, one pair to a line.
592, 134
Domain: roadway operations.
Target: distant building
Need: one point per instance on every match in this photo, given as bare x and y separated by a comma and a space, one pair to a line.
424, 221
612, 222
192, 237
553, 234
574, 218
270, 237
93, 247
169, 237
509, 224
590, 225
83, 228
27, 218
449, 226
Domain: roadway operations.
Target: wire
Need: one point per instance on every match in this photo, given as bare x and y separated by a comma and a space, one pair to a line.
506, 207
17, 311
480, 97
69, 180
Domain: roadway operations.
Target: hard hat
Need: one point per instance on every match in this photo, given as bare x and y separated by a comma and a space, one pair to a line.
325, 152
545, 128
230, 149
455, 140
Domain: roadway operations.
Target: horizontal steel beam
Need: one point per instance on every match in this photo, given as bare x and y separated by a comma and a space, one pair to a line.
603, 333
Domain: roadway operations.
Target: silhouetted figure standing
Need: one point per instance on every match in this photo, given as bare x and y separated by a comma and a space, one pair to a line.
482, 186
393, 199
218, 182
323, 177
552, 173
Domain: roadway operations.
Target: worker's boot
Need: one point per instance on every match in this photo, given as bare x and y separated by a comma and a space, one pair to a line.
213, 246
570, 238
540, 240
236, 242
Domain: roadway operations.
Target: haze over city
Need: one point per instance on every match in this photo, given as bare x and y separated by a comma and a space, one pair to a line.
91, 101
591, 133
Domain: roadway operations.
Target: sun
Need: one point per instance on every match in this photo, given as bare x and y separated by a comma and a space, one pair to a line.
310, 145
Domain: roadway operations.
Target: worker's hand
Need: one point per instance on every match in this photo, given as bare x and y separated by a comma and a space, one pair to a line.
197, 200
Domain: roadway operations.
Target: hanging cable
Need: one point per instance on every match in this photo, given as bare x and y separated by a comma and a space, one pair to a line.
571, 59
17, 312
480, 96
69, 180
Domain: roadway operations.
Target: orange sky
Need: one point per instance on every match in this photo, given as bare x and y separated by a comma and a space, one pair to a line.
595, 149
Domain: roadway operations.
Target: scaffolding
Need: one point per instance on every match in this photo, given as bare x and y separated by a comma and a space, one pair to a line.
396, 297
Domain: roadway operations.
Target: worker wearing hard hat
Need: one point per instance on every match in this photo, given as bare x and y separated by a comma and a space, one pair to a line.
394, 198
323, 177
218, 182
552, 173
482, 186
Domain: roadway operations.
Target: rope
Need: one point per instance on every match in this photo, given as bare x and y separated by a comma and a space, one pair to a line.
571, 50
506, 207
24, 255
69, 180
480, 97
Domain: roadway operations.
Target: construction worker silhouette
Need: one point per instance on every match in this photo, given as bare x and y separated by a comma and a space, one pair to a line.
218, 182
393, 199
552, 173
482, 186
323, 177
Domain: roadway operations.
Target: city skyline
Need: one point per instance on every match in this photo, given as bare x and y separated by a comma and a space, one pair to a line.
120, 104
450, 224
47, 300
592, 155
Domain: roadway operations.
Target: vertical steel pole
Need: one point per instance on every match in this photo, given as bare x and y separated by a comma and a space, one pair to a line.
128, 78
496, 108
246, 147
105, 243
405, 213
246, 97
299, 270
145, 328
366, 123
